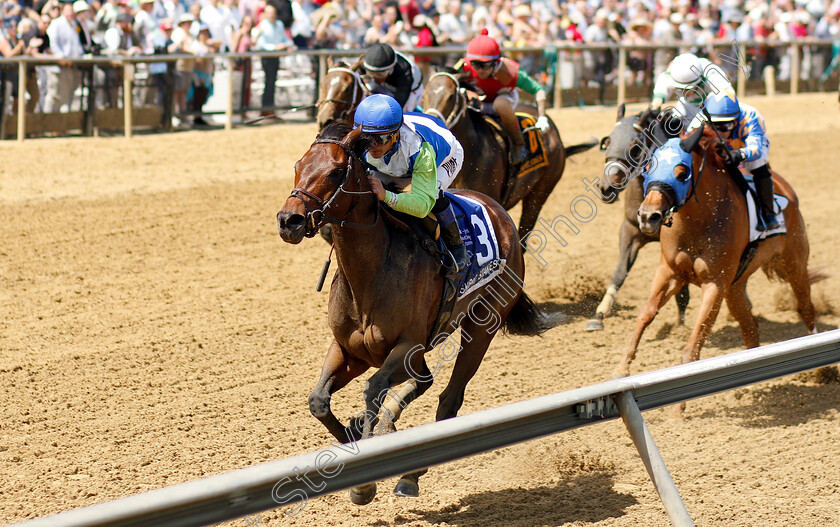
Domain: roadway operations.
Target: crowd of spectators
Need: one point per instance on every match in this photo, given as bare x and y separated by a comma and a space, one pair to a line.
73, 29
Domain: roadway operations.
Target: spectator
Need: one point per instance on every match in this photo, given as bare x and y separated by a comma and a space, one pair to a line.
161, 40
84, 28
302, 30
376, 32
202, 86
394, 27
637, 59
106, 17
241, 42
595, 62
119, 41
271, 36
452, 28
62, 80
10, 46
355, 22
182, 43
427, 37
34, 47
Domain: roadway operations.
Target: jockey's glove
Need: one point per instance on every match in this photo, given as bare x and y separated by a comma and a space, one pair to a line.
734, 157
542, 123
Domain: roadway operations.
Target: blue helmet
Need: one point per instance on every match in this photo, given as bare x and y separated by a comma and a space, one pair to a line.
722, 107
378, 114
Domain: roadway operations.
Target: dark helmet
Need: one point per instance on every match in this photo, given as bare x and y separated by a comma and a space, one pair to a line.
380, 57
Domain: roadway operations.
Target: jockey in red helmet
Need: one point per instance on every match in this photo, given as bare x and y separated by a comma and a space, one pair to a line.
498, 77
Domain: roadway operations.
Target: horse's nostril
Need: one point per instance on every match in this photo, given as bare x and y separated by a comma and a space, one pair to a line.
655, 217
290, 221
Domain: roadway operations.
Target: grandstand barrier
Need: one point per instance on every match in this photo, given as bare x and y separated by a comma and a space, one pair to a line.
562, 64
284, 483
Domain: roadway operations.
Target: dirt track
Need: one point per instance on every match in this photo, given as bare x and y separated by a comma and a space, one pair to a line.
156, 329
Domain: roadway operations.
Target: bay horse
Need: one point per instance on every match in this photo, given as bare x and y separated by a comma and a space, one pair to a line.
486, 167
385, 295
622, 172
704, 243
341, 91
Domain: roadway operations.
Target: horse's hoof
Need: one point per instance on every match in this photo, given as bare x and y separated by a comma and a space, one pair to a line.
620, 373
363, 494
595, 325
408, 488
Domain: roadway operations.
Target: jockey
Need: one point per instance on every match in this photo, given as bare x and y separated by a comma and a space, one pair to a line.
694, 79
742, 127
394, 74
417, 150
498, 78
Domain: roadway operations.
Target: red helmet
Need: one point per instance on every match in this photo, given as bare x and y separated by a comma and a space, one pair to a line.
483, 48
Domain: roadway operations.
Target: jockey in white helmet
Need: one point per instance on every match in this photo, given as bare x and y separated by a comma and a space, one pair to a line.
692, 80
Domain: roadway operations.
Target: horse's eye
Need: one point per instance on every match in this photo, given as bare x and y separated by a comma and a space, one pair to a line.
336, 174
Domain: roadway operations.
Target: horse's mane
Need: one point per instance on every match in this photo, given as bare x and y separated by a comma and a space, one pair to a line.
335, 130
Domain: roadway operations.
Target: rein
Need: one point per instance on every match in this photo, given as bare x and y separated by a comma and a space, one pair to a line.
317, 217
357, 85
460, 102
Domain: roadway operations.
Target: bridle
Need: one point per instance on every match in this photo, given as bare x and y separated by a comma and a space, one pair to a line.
460, 102
317, 216
358, 86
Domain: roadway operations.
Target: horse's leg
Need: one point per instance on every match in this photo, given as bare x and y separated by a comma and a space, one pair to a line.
337, 371
393, 371
408, 485
395, 403
739, 307
713, 295
665, 285
630, 240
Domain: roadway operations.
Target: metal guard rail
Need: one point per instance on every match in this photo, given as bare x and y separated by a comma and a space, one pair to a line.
249, 490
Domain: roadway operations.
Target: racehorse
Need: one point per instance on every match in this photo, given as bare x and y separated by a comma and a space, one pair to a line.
385, 295
621, 172
342, 89
704, 244
486, 167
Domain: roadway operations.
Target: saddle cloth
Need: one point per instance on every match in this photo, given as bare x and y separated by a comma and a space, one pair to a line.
781, 203
480, 240
537, 156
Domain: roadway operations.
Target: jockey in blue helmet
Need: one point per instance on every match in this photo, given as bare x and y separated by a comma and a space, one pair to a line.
743, 128
415, 149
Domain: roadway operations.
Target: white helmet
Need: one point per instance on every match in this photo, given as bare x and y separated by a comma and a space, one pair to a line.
685, 70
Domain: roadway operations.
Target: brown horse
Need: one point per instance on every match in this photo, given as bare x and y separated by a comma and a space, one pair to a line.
704, 244
342, 89
622, 173
486, 167
385, 297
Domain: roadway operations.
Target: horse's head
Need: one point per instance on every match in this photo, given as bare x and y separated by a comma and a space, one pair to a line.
668, 181
341, 91
443, 98
329, 184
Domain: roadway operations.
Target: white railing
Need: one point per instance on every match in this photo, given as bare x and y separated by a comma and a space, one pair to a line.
286, 482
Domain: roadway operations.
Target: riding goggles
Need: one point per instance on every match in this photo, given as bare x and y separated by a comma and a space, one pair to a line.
381, 139
724, 126
484, 65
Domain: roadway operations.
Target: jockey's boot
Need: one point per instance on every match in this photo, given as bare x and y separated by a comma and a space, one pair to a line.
451, 235
519, 152
764, 189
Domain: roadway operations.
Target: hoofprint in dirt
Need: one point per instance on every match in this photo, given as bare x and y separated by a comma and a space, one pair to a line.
157, 330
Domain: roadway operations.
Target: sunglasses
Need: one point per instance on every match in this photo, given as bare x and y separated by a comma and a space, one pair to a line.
381, 139
484, 65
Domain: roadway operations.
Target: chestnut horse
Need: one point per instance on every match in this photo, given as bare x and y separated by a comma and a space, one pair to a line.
622, 171
385, 297
342, 89
486, 167
703, 245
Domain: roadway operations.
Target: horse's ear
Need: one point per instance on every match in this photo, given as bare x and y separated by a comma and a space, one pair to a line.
358, 64
605, 142
330, 62
621, 110
689, 143
350, 139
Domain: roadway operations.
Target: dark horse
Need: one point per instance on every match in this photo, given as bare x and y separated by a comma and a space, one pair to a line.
341, 90
704, 244
622, 172
486, 167
385, 296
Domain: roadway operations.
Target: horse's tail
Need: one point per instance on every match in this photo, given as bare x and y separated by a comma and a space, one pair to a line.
582, 147
527, 318
774, 273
